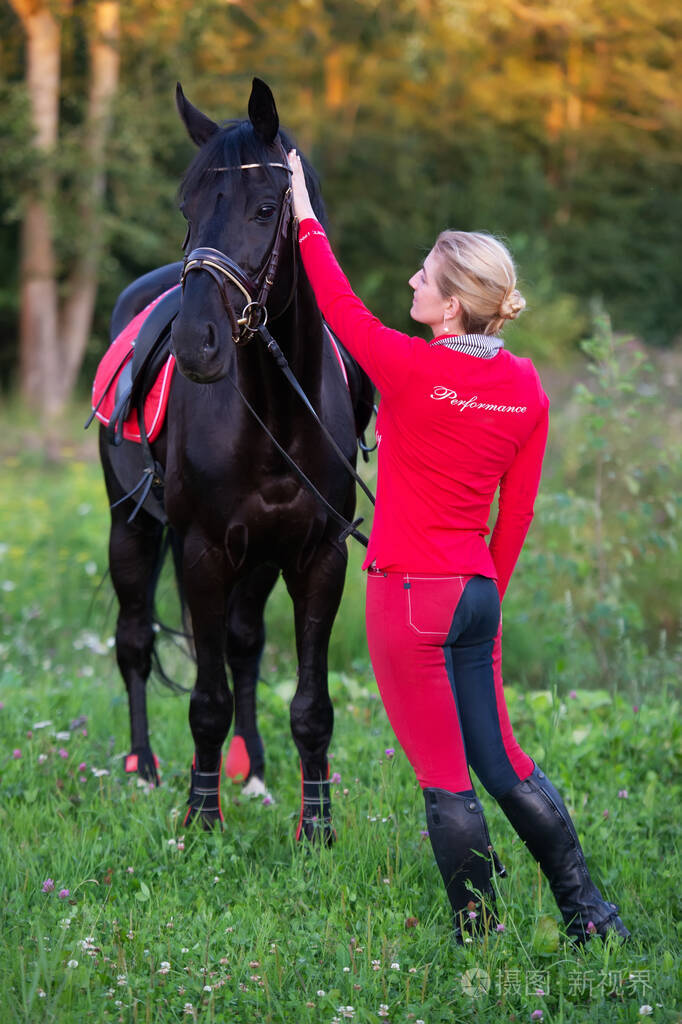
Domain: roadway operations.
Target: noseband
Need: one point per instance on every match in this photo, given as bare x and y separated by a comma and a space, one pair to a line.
223, 269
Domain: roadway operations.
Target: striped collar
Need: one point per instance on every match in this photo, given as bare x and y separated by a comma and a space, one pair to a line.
485, 346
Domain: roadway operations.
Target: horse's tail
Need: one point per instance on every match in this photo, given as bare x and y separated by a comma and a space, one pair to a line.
181, 638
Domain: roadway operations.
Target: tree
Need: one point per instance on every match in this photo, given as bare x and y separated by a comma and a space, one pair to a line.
56, 315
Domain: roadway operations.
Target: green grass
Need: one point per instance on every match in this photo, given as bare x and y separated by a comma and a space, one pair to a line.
252, 927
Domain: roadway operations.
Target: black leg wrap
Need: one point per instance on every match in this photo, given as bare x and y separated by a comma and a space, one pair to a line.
461, 846
204, 798
539, 815
316, 812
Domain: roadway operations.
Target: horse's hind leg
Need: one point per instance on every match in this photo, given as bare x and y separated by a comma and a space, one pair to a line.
134, 551
245, 640
316, 594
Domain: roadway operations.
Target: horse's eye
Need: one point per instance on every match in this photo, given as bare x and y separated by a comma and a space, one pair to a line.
265, 212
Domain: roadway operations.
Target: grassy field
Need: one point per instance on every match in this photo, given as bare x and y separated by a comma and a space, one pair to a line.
111, 913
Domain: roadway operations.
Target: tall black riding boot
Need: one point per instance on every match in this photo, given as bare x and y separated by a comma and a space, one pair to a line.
461, 846
539, 815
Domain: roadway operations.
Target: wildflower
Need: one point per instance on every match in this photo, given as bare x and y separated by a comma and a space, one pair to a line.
41, 993
121, 980
62, 736
635, 708
622, 794
376, 965
171, 842
181, 843
573, 695
389, 752
386, 881
383, 1010
424, 833
591, 928
130, 870
336, 778
188, 1008
267, 800
16, 753
412, 970
605, 813
72, 963
48, 885
29, 735
536, 1015
185, 949
346, 792
207, 988
63, 894
500, 927
646, 1010
82, 766
411, 922
164, 968
42, 758
99, 772
321, 992
472, 915
395, 967
419, 1021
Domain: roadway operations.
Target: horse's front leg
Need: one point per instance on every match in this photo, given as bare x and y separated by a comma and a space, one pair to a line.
316, 594
211, 704
245, 759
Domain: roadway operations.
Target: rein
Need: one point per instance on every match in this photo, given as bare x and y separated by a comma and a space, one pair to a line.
253, 321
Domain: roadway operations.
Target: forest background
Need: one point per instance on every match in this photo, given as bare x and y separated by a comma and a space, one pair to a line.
554, 125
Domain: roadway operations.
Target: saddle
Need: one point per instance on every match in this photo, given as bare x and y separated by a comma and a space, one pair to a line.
132, 382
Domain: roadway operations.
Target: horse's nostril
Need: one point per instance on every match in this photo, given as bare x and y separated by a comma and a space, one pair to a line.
210, 344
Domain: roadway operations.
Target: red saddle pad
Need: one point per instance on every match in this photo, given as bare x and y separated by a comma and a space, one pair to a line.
109, 370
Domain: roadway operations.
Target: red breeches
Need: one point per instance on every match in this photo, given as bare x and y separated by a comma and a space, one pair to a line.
435, 645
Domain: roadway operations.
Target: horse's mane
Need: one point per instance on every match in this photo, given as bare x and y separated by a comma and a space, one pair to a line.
236, 143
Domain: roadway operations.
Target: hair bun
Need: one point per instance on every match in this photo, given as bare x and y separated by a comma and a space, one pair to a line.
512, 304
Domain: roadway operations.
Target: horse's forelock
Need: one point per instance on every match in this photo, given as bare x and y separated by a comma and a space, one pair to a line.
235, 144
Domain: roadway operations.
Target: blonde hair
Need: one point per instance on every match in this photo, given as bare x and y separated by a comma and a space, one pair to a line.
478, 270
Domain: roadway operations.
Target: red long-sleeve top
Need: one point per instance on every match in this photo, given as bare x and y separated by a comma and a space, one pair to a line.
451, 428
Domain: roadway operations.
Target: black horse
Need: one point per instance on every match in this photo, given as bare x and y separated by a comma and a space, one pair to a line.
239, 510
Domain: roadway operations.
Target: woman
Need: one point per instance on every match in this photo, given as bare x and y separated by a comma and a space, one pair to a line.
459, 416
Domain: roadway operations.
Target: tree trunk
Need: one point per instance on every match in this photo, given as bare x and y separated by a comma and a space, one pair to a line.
38, 324
76, 317
53, 342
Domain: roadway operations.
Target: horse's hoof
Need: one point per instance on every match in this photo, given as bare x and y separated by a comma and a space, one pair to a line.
255, 787
207, 819
145, 764
315, 822
317, 833
204, 799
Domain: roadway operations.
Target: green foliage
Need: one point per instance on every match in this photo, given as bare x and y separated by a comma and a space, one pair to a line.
599, 578
555, 126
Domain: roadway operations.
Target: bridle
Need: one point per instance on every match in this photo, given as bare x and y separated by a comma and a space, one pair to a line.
223, 269
253, 321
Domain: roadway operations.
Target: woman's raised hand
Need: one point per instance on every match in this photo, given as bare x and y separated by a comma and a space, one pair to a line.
302, 204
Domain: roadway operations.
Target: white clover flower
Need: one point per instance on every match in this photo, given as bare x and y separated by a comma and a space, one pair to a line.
72, 963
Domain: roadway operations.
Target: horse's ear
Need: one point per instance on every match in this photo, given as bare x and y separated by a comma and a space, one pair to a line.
263, 112
199, 127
